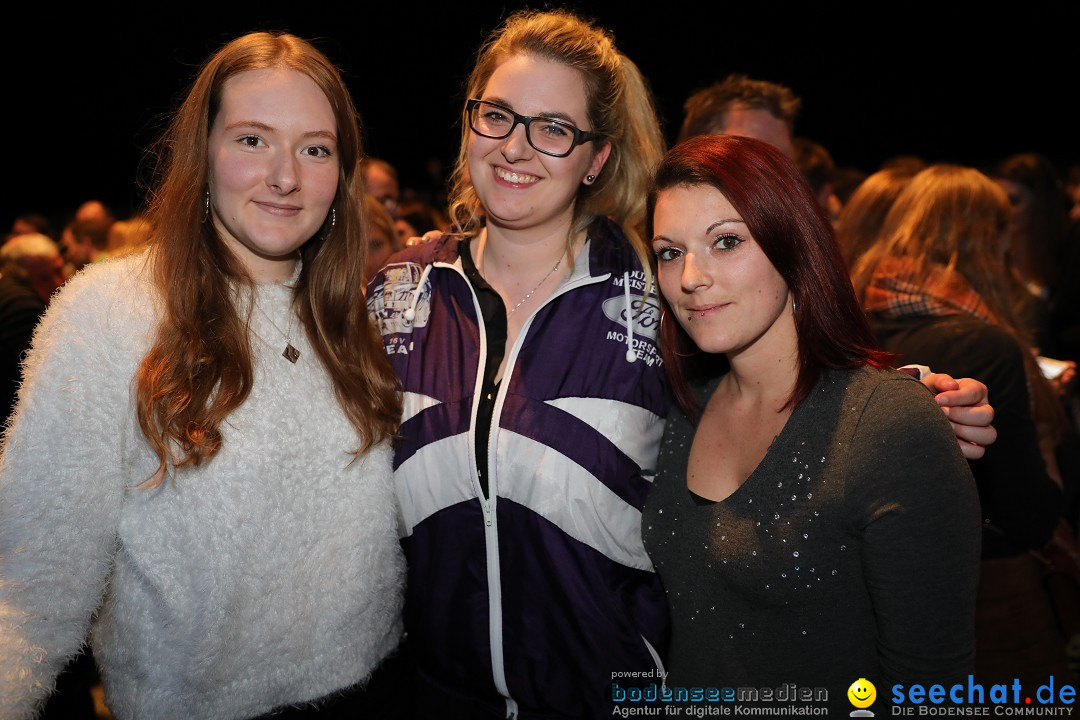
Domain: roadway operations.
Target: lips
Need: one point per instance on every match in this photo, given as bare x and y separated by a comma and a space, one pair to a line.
278, 209
706, 309
515, 178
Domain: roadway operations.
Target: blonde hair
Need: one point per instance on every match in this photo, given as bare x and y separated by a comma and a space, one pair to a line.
199, 368
619, 106
950, 216
863, 215
956, 218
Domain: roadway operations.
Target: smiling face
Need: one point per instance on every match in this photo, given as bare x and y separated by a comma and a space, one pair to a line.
862, 693
520, 188
719, 283
273, 167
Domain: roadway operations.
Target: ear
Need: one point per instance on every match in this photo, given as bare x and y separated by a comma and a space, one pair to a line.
599, 158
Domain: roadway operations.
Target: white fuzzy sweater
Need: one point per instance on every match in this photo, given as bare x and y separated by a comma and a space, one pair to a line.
271, 575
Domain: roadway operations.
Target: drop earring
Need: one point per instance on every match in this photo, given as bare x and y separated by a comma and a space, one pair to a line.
206, 206
333, 221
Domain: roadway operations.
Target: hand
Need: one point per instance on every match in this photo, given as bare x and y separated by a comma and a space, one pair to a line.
1061, 383
429, 236
966, 403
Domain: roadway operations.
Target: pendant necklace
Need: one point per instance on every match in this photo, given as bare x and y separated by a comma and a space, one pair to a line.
550, 272
290, 353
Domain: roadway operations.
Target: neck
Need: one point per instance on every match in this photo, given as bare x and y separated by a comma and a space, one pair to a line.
512, 260
764, 373
271, 270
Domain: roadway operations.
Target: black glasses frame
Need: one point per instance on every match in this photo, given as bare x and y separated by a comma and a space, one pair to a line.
580, 136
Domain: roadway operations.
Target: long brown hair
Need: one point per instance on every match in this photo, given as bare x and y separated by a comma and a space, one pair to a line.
199, 368
619, 106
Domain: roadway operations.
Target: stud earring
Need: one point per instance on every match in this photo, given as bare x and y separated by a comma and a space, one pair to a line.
590, 178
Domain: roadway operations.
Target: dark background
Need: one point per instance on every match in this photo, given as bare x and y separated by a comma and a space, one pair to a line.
86, 88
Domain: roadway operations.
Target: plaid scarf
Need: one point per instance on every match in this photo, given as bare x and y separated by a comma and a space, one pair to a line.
898, 290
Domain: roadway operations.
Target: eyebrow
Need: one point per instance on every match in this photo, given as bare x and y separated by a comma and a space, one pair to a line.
554, 114
713, 226
725, 221
268, 128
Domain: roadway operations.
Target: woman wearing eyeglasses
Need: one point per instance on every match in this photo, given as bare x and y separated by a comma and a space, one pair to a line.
534, 393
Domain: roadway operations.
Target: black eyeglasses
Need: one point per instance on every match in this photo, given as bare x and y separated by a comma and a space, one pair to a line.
556, 138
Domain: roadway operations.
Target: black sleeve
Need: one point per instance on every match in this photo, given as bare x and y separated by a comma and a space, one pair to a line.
1020, 503
1018, 497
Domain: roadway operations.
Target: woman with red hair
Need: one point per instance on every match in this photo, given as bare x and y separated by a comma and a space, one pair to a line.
812, 520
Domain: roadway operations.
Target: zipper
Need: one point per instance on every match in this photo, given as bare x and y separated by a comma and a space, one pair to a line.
487, 503
656, 660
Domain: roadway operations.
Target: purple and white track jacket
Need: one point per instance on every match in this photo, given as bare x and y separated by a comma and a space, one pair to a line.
530, 599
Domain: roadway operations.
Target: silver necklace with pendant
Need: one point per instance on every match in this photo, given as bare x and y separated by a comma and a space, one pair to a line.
290, 353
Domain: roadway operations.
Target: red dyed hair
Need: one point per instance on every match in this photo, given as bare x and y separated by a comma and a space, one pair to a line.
784, 217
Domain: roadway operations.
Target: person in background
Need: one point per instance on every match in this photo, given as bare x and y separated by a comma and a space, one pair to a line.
739, 105
126, 236
819, 169
860, 220
95, 210
381, 234
30, 272
31, 223
846, 181
417, 218
83, 242
198, 470
936, 286
381, 181
1039, 252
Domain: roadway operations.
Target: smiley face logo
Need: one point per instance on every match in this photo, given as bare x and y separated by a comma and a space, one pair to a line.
862, 693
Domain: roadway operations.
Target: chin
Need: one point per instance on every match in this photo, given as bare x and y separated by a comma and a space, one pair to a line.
710, 343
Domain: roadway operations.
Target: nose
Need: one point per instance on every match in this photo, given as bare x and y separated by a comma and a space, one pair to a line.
694, 275
284, 175
515, 146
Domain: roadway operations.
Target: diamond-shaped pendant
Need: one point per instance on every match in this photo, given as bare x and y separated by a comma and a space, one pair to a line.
291, 354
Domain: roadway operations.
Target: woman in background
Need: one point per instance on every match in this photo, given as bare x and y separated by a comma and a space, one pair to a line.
936, 287
863, 214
